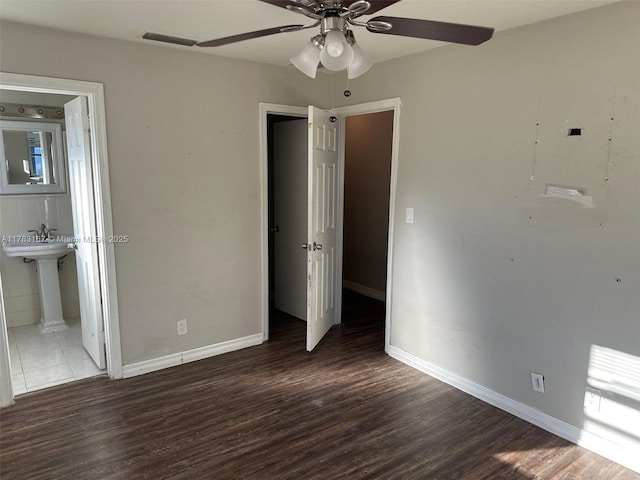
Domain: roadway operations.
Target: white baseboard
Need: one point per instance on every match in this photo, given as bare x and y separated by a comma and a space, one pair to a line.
175, 359
363, 290
602, 446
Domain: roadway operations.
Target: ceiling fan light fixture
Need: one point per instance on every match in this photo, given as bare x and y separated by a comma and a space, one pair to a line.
337, 54
335, 47
360, 63
307, 60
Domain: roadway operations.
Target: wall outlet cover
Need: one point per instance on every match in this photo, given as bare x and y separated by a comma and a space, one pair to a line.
182, 327
537, 382
409, 215
592, 399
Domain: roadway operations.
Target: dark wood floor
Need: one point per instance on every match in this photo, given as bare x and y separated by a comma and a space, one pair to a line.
345, 411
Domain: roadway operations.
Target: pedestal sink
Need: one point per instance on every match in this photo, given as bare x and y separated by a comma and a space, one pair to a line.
45, 251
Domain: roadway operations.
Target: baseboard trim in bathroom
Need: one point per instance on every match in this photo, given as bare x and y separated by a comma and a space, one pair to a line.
174, 359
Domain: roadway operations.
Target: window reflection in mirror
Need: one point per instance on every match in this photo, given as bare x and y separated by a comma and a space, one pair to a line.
32, 158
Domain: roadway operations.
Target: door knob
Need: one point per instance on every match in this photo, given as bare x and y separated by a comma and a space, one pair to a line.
317, 246
306, 246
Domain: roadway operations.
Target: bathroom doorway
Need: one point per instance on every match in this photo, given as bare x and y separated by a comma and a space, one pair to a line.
63, 352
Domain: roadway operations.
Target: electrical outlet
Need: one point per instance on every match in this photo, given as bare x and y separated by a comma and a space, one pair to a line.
537, 382
182, 327
592, 398
409, 215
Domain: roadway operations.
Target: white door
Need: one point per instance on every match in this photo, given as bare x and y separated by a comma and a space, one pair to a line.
290, 216
322, 218
84, 226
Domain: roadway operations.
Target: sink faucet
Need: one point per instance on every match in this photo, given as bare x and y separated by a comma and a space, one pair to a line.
46, 232
43, 233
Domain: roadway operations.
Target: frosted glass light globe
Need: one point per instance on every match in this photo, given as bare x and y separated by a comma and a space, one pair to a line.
337, 54
334, 44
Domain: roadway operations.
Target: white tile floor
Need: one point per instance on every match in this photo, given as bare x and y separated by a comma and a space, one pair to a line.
44, 360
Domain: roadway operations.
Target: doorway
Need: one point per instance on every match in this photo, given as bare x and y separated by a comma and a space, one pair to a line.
367, 180
288, 193
45, 339
382, 217
91, 95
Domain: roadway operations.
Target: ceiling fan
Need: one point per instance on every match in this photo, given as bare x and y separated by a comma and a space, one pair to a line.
336, 48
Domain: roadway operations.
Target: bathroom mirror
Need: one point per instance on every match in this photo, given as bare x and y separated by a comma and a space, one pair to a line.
31, 158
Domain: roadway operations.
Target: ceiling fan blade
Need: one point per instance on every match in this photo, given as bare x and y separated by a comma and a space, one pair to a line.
248, 36
431, 30
376, 5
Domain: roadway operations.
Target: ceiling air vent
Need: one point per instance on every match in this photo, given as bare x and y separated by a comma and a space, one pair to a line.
158, 37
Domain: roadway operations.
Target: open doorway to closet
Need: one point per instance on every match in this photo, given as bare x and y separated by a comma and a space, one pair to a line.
288, 194
366, 147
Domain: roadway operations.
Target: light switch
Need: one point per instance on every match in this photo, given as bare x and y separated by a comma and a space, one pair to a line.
409, 216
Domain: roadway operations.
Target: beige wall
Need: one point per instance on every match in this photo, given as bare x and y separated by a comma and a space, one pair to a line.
366, 199
493, 281
185, 185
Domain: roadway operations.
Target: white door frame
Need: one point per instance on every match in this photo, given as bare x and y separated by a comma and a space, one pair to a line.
6, 391
265, 110
392, 104
94, 92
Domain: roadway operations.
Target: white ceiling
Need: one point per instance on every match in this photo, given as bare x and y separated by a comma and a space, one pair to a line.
208, 19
